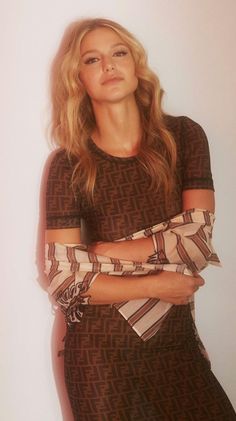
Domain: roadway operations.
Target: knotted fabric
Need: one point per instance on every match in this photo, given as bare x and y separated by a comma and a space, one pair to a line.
181, 244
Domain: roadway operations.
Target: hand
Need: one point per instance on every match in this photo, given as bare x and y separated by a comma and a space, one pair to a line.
175, 288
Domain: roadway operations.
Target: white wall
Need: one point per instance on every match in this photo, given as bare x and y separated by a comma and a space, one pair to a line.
191, 44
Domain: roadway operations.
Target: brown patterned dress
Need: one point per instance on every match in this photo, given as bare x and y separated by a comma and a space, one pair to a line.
110, 373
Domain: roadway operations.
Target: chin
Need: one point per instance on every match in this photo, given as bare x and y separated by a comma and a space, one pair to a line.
116, 96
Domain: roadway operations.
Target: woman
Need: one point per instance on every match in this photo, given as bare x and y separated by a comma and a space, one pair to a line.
124, 166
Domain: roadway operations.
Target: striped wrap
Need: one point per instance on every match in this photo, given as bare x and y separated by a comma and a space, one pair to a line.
181, 244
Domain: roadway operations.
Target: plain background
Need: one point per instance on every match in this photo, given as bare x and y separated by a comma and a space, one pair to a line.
191, 45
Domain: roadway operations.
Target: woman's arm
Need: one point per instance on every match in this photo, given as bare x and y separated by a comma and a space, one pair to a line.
198, 198
140, 249
63, 236
171, 287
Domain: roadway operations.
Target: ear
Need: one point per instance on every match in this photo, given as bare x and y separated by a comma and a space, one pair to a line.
80, 80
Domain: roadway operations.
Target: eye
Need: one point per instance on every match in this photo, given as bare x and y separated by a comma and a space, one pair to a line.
91, 60
120, 53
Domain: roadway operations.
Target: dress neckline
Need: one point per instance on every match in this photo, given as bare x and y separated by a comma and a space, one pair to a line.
108, 156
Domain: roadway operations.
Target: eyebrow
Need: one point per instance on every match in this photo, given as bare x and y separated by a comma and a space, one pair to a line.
97, 51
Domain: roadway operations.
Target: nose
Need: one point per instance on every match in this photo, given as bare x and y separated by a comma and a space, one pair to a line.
108, 65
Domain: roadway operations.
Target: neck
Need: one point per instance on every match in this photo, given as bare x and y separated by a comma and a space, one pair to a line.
118, 130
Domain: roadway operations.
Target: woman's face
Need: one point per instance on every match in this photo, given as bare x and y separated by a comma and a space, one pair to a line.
107, 68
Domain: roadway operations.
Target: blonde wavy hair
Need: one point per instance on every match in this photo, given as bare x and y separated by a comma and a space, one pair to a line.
73, 118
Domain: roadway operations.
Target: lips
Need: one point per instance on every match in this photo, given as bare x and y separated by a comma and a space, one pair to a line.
112, 80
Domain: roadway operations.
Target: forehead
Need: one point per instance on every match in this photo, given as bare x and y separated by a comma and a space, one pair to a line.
98, 38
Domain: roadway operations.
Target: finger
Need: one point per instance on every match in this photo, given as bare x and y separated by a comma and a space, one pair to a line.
199, 281
182, 302
179, 301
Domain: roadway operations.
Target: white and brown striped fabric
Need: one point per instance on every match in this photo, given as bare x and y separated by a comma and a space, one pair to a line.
181, 244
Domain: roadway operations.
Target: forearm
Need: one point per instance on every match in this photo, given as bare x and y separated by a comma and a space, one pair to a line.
108, 289
171, 287
137, 250
73, 276
74, 279
187, 238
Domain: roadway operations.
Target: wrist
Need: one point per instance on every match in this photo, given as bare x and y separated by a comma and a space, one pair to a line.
157, 284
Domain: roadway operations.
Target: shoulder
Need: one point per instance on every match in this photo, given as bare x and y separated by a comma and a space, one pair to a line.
60, 164
60, 158
61, 204
181, 124
59, 173
193, 154
186, 132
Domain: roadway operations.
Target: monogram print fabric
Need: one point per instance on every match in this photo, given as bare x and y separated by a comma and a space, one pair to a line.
123, 200
110, 372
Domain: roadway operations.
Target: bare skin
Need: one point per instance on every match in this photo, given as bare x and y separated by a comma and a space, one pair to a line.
104, 58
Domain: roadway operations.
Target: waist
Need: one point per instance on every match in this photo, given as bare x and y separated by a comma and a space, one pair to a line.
103, 326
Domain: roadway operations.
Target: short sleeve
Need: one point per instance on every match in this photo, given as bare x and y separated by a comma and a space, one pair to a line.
62, 208
196, 156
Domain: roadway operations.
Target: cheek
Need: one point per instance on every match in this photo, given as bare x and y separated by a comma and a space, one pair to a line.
135, 85
132, 70
88, 80
134, 78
